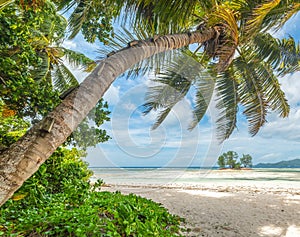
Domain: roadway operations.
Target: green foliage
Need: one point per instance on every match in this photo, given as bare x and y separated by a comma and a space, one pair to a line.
230, 160
221, 161
246, 160
12, 127
64, 172
33, 73
58, 200
87, 135
173, 84
19, 46
102, 214
93, 18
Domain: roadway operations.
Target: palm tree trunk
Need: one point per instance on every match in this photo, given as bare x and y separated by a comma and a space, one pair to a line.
23, 158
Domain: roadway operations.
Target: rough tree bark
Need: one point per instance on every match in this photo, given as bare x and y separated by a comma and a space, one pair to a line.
23, 158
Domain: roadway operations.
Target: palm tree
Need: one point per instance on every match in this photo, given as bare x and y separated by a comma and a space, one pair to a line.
43, 139
249, 61
23, 158
37, 53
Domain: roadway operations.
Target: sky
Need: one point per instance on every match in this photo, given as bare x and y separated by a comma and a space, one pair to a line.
135, 144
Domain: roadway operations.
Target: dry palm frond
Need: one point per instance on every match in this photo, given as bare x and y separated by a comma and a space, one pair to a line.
255, 21
224, 45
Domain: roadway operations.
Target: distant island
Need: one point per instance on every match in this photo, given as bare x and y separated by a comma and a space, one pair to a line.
282, 164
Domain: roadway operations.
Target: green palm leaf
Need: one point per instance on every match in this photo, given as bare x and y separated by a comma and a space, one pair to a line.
275, 97
204, 90
227, 103
63, 78
77, 59
270, 15
283, 55
78, 17
278, 16
171, 88
161, 117
174, 82
165, 17
251, 92
42, 69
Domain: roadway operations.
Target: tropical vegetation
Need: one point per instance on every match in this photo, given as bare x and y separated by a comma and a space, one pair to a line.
59, 200
237, 56
231, 160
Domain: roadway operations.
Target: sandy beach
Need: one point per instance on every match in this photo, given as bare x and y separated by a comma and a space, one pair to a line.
239, 209
228, 211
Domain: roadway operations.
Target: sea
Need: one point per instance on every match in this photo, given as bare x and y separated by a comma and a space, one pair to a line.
194, 177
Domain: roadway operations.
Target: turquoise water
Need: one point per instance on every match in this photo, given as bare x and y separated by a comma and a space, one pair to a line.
196, 176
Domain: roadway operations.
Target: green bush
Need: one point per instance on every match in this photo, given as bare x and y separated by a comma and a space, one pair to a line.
59, 200
64, 172
102, 214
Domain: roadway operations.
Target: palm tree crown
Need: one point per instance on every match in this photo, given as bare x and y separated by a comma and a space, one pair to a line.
241, 63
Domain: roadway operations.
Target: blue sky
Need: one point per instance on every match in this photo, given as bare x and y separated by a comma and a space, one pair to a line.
133, 142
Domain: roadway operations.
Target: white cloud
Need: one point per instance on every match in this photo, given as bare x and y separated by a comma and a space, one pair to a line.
291, 86
286, 128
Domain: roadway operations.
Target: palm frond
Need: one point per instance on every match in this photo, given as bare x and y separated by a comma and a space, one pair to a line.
283, 55
161, 117
275, 97
62, 78
65, 5
78, 17
42, 69
293, 9
257, 18
165, 17
227, 103
173, 83
204, 90
162, 97
290, 54
170, 88
77, 59
267, 48
251, 92
281, 14
123, 37
224, 21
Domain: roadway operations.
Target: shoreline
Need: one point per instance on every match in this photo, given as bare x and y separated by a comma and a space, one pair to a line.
226, 209
217, 188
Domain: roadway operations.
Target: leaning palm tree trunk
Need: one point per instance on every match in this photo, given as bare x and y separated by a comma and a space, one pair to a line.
23, 158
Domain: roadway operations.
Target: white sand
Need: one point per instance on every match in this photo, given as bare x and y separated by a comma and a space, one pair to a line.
228, 209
